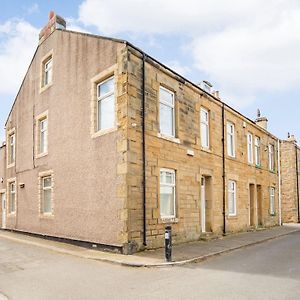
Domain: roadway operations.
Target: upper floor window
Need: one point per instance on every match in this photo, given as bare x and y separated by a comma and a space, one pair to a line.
43, 135
272, 200
106, 104
11, 148
230, 139
257, 151
167, 112
271, 151
167, 193
47, 71
46, 195
250, 147
231, 198
12, 197
204, 128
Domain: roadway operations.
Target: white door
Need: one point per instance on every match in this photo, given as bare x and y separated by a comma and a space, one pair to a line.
203, 204
3, 201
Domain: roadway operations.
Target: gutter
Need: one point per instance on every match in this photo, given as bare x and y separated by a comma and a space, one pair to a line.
224, 170
144, 150
279, 183
297, 182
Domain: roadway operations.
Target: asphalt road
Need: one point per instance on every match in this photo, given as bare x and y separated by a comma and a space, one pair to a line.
266, 271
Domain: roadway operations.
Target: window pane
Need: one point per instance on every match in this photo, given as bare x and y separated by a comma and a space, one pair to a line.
12, 202
47, 207
166, 120
106, 87
204, 116
231, 203
166, 96
167, 201
106, 113
47, 182
169, 178
204, 135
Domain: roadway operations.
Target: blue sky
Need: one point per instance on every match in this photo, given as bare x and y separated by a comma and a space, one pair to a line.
249, 50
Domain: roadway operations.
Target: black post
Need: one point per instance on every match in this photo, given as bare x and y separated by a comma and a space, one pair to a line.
168, 243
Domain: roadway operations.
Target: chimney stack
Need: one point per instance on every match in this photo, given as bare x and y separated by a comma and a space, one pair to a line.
261, 121
291, 138
54, 22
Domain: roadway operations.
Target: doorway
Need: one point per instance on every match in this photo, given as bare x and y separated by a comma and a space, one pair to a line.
259, 205
3, 203
252, 204
205, 205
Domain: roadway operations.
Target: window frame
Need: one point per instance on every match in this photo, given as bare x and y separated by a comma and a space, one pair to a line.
44, 189
206, 124
41, 177
41, 131
11, 147
48, 70
257, 151
271, 157
272, 197
173, 107
234, 192
11, 182
173, 185
101, 98
250, 148
231, 138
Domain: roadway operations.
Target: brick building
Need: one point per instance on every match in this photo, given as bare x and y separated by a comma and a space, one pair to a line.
107, 145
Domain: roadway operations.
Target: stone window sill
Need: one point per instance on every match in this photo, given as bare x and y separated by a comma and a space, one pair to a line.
103, 132
169, 220
41, 155
45, 87
169, 138
11, 165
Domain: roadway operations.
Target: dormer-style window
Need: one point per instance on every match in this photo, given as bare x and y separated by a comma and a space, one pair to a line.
47, 72
106, 104
11, 148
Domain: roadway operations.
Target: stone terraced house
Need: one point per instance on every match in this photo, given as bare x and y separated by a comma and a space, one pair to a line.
106, 145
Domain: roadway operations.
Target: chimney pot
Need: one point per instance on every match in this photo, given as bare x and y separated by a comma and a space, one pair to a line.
261, 121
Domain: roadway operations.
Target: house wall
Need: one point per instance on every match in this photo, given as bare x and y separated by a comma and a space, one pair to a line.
87, 170
173, 154
3, 176
289, 181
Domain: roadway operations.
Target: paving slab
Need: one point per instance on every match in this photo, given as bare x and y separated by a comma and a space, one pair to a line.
182, 254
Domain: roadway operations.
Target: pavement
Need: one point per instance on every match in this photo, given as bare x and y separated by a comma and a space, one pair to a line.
182, 254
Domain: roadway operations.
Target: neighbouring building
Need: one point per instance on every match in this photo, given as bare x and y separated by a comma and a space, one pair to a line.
107, 145
290, 160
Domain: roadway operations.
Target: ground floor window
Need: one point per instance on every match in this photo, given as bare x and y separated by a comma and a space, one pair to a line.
167, 193
12, 197
231, 198
272, 201
46, 193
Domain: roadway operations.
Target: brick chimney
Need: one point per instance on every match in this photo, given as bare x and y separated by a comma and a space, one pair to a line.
55, 22
261, 121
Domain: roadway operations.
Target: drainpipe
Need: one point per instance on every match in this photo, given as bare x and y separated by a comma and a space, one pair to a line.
279, 182
297, 182
144, 150
224, 171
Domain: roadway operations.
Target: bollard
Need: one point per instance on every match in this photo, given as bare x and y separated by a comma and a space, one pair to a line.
168, 243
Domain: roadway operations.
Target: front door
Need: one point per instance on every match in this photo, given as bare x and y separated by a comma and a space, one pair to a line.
252, 205
203, 213
3, 203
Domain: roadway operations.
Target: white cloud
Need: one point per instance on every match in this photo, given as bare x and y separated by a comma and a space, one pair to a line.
244, 47
34, 8
178, 67
18, 40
